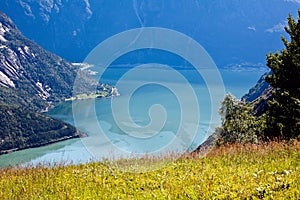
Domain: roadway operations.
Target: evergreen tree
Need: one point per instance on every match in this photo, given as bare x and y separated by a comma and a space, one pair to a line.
283, 117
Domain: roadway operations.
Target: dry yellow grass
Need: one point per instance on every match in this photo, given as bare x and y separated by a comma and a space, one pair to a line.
269, 171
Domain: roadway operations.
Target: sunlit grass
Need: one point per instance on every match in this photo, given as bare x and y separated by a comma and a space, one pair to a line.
237, 171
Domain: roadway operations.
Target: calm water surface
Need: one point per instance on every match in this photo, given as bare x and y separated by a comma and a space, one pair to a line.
115, 141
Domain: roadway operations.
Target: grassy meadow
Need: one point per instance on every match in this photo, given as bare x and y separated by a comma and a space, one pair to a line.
265, 171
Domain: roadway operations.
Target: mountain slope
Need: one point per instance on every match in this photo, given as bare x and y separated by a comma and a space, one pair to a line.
31, 80
33, 71
233, 31
256, 91
259, 95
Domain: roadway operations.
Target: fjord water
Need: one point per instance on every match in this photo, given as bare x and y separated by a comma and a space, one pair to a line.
74, 151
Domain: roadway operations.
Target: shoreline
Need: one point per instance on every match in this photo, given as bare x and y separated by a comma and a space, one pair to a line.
78, 135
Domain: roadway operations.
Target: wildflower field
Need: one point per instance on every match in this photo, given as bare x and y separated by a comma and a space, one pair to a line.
265, 171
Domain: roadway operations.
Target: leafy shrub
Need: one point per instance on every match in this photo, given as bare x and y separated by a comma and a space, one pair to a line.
238, 122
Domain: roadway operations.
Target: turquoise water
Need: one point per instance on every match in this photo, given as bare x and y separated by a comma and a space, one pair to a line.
114, 142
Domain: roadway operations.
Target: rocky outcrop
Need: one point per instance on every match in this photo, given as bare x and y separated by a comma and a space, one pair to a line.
31, 80
39, 74
259, 95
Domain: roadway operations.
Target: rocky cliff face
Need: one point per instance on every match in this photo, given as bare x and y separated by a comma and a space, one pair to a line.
259, 95
258, 90
33, 72
31, 79
9, 67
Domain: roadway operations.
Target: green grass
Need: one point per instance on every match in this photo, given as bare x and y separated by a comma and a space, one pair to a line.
270, 171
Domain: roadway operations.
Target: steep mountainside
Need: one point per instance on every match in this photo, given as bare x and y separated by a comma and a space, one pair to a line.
234, 32
29, 70
257, 90
259, 95
31, 79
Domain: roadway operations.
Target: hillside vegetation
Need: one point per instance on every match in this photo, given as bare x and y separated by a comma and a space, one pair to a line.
21, 129
273, 108
247, 171
37, 76
32, 80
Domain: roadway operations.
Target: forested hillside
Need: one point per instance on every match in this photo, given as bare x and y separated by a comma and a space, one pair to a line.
32, 80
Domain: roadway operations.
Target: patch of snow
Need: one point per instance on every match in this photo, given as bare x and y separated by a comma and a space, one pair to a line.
5, 81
